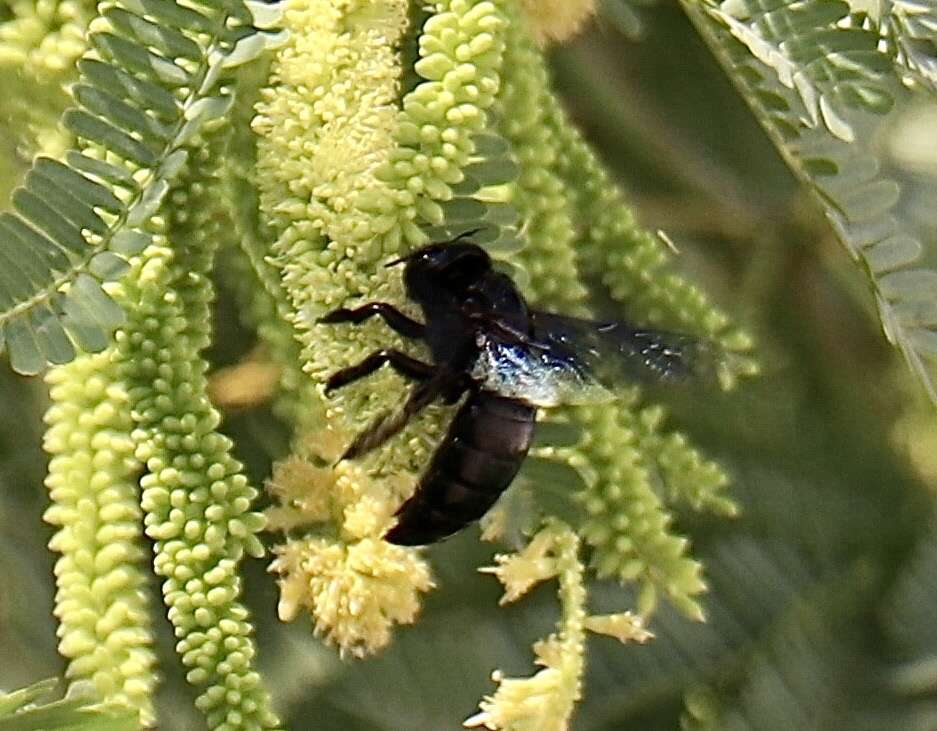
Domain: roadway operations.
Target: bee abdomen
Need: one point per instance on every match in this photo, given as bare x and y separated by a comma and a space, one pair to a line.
479, 457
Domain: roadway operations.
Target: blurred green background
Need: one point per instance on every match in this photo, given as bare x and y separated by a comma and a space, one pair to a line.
822, 591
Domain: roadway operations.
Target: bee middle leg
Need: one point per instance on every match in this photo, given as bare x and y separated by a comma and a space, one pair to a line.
400, 362
395, 319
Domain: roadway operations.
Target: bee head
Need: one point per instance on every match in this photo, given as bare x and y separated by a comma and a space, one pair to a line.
443, 269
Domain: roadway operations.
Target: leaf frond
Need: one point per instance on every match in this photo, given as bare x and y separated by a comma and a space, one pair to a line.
155, 75
826, 90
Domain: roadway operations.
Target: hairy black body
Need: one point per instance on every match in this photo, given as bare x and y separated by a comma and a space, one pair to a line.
480, 456
459, 293
484, 341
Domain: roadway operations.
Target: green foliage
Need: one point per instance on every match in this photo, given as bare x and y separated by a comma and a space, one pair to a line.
28, 709
153, 77
853, 118
910, 30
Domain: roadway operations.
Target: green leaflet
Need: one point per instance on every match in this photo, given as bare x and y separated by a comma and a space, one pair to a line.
148, 85
908, 619
831, 97
830, 67
909, 26
479, 201
27, 708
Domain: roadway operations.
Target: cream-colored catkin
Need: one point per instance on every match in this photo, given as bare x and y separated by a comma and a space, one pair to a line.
101, 600
197, 503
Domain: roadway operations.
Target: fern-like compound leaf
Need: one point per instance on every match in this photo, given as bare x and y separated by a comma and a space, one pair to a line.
155, 74
830, 67
839, 104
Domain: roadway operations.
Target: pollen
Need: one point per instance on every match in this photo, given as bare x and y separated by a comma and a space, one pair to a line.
355, 592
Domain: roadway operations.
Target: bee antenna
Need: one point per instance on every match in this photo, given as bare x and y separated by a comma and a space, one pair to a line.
466, 234
406, 257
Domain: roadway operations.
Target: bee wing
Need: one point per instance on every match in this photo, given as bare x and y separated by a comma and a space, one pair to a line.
615, 350
570, 360
539, 373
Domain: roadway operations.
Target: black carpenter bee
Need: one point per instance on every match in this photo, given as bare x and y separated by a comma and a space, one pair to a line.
510, 359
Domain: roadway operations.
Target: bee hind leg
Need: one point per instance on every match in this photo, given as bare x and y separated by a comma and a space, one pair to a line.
390, 424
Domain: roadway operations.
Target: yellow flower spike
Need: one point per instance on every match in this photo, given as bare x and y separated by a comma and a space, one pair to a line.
357, 166
494, 523
39, 45
520, 571
688, 476
348, 172
545, 701
196, 500
514, 515
326, 124
304, 493
461, 49
354, 585
317, 488
539, 193
370, 516
101, 599
327, 445
622, 454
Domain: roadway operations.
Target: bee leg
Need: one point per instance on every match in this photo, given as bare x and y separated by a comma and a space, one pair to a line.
394, 318
387, 425
400, 362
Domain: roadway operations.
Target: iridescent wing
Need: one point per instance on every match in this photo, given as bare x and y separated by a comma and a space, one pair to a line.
615, 351
535, 372
570, 360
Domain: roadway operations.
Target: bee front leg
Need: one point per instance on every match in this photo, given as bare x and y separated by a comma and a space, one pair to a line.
394, 318
400, 362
